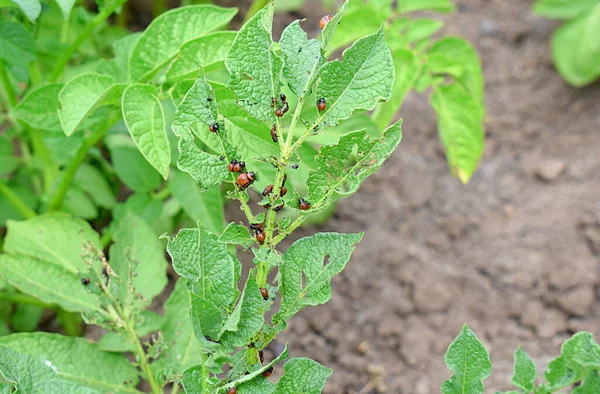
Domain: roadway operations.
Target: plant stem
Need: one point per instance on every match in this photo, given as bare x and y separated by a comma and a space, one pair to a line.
66, 55
8, 95
254, 8
41, 151
162, 194
14, 199
139, 350
57, 198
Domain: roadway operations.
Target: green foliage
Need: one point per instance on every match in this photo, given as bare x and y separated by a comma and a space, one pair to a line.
448, 66
578, 365
575, 47
113, 139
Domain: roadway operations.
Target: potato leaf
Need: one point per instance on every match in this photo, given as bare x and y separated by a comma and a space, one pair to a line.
145, 120
363, 77
308, 266
254, 67
469, 361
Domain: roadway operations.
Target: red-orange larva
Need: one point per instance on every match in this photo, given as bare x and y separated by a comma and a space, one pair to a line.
232, 390
304, 205
214, 127
268, 372
268, 190
283, 191
265, 293
324, 21
278, 112
245, 179
85, 281
260, 236
274, 133
321, 104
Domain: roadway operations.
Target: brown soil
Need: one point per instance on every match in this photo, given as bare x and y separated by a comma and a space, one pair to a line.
515, 254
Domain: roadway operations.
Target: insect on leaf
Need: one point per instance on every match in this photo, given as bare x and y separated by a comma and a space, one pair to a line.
363, 77
254, 67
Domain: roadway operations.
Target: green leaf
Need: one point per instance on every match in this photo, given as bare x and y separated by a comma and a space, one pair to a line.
343, 167
132, 168
56, 238
303, 375
330, 28
137, 247
259, 385
576, 48
469, 361
198, 256
407, 68
524, 371
590, 385
62, 148
79, 204
202, 53
182, 347
309, 264
301, 58
583, 350
167, 33
205, 207
206, 169
460, 123
93, 368
89, 179
254, 67
198, 108
558, 374
462, 52
247, 318
363, 78
145, 120
236, 234
49, 282
563, 9
16, 44
82, 95
420, 5
31, 8
8, 160
28, 375
38, 108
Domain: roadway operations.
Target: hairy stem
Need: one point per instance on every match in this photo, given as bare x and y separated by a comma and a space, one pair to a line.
66, 55
16, 201
57, 198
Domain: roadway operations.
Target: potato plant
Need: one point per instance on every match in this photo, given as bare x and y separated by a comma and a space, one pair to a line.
575, 47
577, 367
102, 155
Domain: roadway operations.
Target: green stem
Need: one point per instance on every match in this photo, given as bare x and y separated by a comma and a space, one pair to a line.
41, 151
66, 55
254, 8
14, 199
143, 360
162, 194
8, 95
57, 198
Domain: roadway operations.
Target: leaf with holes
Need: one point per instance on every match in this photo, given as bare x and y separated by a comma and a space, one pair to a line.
254, 67
363, 78
308, 266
